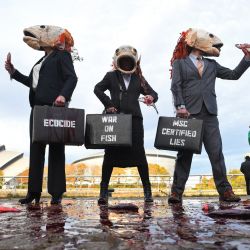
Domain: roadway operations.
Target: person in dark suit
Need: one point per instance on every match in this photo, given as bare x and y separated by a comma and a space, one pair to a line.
245, 169
52, 80
125, 84
193, 89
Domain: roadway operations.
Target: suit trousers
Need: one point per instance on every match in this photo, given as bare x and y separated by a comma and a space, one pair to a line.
56, 166
247, 185
213, 146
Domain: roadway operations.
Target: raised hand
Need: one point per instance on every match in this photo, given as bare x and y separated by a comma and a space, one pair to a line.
245, 47
8, 65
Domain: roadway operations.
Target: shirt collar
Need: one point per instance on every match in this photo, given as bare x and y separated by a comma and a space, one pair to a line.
194, 57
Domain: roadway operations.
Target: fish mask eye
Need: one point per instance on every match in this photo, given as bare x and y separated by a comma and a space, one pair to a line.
117, 51
42, 26
134, 51
211, 35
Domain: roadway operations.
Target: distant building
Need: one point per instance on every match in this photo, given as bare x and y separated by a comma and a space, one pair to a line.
12, 163
153, 156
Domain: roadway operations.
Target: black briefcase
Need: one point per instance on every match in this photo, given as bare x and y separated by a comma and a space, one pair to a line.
58, 125
176, 134
108, 130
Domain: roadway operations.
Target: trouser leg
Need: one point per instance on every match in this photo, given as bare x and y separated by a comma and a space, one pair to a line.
107, 170
247, 185
36, 163
106, 174
144, 174
213, 145
56, 169
181, 172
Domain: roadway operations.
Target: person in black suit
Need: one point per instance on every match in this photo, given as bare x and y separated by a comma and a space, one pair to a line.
125, 84
193, 89
245, 169
52, 80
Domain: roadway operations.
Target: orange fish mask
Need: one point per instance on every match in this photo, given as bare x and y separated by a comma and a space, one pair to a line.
40, 36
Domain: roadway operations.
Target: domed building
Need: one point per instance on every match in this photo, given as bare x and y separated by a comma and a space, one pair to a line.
154, 156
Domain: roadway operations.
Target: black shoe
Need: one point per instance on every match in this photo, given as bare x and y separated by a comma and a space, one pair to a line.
56, 199
175, 198
148, 194
104, 196
30, 197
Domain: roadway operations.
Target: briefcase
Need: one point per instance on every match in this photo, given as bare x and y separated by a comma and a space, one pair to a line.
58, 125
108, 130
176, 134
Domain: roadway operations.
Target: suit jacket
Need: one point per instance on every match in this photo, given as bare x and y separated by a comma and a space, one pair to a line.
129, 104
245, 168
191, 90
56, 77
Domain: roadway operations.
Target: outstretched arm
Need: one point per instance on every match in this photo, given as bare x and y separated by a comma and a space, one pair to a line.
235, 74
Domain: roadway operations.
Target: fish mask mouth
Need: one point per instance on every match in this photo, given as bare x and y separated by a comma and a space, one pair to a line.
28, 34
31, 40
126, 59
126, 64
205, 41
218, 46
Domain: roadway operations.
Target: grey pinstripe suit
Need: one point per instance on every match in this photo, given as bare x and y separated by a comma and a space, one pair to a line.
198, 95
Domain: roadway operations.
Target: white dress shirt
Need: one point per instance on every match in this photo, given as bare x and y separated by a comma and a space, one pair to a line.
35, 75
126, 79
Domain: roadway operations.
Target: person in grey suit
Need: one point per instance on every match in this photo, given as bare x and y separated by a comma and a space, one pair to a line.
193, 89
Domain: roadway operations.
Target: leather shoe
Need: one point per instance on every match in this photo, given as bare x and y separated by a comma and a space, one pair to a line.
30, 197
175, 198
229, 196
56, 199
104, 195
148, 194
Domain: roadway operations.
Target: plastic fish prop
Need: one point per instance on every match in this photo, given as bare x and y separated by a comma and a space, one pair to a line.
8, 209
230, 213
125, 207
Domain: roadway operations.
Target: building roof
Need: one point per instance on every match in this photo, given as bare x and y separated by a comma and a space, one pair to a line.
153, 157
149, 153
11, 162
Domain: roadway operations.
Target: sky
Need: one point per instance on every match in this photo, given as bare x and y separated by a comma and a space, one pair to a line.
152, 27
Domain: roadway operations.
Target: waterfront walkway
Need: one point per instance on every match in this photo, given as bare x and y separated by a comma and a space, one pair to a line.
81, 224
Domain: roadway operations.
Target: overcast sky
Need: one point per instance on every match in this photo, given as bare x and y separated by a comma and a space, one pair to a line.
153, 27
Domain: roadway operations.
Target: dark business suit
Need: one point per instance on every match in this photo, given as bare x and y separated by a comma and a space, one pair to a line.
198, 95
56, 77
245, 169
125, 101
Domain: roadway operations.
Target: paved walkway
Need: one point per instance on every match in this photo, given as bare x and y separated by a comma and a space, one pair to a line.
81, 224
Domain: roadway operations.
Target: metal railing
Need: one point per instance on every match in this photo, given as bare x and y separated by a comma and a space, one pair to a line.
131, 183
